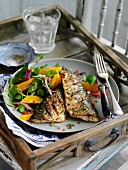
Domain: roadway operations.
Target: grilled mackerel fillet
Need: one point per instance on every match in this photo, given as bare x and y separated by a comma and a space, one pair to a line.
77, 103
51, 110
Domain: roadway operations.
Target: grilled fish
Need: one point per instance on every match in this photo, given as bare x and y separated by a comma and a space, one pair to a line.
77, 103
51, 110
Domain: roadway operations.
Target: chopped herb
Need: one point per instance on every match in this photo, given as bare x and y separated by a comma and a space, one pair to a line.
52, 124
69, 126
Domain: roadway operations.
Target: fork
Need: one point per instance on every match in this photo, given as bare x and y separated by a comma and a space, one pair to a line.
102, 72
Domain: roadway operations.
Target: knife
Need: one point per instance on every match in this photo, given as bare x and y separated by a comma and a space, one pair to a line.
104, 100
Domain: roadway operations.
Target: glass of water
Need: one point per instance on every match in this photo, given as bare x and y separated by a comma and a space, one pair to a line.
42, 23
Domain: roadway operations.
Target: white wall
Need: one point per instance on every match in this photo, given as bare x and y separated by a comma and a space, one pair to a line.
11, 8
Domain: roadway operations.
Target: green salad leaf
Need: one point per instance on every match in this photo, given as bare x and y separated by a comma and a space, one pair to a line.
20, 76
57, 65
91, 79
13, 91
50, 73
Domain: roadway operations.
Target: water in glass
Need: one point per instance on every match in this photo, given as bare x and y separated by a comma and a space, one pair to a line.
42, 24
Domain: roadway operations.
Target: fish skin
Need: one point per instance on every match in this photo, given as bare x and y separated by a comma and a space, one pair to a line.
77, 102
51, 110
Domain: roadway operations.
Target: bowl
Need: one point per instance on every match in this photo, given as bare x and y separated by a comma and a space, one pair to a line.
15, 55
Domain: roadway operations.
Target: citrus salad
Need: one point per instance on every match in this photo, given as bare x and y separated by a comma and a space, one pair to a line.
30, 86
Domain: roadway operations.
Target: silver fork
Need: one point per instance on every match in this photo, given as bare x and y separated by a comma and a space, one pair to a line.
102, 72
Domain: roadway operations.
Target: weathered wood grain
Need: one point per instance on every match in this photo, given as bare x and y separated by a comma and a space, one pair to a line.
11, 27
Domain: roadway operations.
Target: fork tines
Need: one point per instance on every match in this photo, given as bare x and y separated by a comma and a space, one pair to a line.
100, 64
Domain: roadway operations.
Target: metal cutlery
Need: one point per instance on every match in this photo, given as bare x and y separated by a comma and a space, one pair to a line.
102, 72
104, 101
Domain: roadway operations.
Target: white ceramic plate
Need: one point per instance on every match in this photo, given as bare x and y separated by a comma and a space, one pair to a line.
78, 124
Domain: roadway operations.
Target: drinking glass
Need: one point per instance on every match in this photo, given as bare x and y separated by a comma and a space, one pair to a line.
42, 24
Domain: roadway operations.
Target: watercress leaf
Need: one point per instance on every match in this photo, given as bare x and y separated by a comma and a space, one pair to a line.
50, 73
91, 79
37, 70
13, 91
57, 65
21, 108
44, 66
32, 89
41, 56
20, 74
40, 93
18, 97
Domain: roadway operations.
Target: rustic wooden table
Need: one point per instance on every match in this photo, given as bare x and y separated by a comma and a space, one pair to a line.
69, 44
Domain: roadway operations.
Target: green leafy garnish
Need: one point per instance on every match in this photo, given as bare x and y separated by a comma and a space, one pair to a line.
40, 57
18, 97
57, 65
44, 66
69, 126
15, 94
91, 79
36, 70
20, 75
40, 93
50, 73
52, 124
13, 91
21, 108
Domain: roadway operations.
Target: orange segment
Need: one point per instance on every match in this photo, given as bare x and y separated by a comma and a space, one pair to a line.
43, 70
32, 99
24, 84
25, 117
55, 81
91, 87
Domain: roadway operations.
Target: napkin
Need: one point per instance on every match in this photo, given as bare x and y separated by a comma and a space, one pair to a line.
31, 135
36, 139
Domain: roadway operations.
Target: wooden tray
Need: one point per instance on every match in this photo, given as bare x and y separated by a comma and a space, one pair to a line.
77, 42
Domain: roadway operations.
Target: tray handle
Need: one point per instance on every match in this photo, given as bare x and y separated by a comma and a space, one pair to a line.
114, 135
